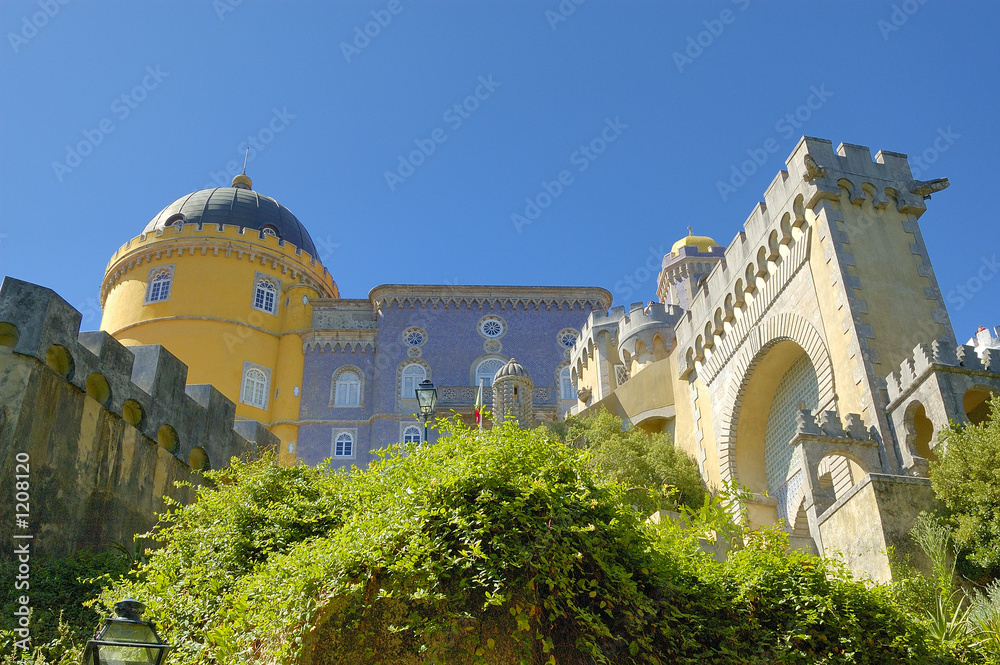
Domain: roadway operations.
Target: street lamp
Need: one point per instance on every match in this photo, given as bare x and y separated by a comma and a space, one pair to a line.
126, 639
427, 397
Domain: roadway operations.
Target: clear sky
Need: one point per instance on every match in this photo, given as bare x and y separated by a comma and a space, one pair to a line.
109, 111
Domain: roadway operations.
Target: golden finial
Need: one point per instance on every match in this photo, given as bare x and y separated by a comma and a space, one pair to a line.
242, 181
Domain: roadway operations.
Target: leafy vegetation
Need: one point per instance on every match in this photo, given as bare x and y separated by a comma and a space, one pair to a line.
967, 481
60, 622
660, 475
506, 546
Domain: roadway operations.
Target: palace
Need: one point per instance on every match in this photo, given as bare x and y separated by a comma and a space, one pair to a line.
812, 360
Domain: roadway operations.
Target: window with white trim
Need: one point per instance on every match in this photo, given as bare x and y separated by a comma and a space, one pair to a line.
254, 391
412, 375
566, 384
411, 434
343, 445
159, 283
487, 369
621, 374
347, 390
265, 295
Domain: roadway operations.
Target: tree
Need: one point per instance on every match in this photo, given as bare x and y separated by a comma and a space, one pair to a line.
663, 476
966, 478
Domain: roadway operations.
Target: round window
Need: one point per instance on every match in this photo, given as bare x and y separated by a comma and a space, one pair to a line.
492, 327
414, 337
567, 338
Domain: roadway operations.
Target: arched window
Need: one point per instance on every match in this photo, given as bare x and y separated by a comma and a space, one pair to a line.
486, 370
411, 434
159, 285
566, 384
413, 374
344, 445
265, 295
255, 387
347, 391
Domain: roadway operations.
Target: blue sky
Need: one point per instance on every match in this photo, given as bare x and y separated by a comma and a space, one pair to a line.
164, 95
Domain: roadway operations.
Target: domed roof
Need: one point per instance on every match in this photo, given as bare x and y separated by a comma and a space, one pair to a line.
238, 206
512, 368
703, 243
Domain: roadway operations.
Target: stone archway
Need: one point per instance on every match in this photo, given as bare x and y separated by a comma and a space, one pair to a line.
773, 330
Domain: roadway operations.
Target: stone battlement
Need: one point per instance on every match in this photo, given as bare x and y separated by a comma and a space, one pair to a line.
779, 222
217, 239
144, 385
940, 354
642, 324
828, 424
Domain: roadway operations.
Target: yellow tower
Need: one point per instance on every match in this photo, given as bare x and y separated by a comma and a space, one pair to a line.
223, 279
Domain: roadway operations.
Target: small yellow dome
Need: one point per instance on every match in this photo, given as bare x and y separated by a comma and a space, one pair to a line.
703, 243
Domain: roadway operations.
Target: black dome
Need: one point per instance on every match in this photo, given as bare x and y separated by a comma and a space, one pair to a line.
239, 207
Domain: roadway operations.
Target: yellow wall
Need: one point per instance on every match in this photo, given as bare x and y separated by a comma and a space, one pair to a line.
209, 321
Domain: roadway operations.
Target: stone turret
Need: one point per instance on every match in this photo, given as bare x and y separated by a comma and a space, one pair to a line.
512, 388
646, 335
690, 259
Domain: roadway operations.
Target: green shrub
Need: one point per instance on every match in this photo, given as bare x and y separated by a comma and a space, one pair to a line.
661, 475
498, 547
966, 480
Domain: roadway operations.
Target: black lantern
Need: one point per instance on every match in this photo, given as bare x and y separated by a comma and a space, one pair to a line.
126, 639
427, 397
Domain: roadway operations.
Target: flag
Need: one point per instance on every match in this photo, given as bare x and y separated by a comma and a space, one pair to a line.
479, 405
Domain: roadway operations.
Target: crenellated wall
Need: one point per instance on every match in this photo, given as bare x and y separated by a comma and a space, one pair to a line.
108, 429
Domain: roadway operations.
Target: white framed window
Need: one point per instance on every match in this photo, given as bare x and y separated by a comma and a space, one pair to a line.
158, 284
269, 230
566, 384
256, 382
343, 444
411, 377
347, 389
487, 369
621, 374
411, 433
492, 327
265, 294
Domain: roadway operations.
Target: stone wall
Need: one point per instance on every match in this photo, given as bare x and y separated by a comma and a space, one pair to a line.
107, 430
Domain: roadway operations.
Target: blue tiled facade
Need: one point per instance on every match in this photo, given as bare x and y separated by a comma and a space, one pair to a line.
367, 337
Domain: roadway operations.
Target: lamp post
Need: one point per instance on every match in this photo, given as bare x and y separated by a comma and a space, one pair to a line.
427, 397
125, 639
